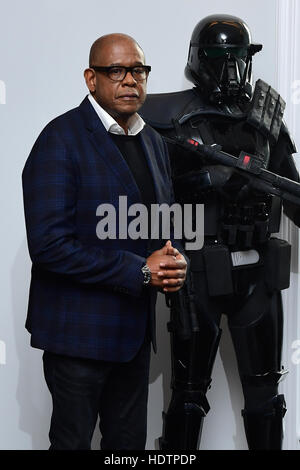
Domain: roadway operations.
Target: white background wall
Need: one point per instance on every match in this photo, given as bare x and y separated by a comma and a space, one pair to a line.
44, 49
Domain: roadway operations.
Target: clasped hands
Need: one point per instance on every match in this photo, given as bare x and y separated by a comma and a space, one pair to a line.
168, 268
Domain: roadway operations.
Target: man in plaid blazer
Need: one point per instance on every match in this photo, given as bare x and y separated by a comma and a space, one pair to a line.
90, 308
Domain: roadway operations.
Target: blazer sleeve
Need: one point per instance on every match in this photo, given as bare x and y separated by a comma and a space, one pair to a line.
50, 181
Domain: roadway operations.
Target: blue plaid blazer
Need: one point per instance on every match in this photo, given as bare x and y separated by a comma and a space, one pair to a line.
86, 295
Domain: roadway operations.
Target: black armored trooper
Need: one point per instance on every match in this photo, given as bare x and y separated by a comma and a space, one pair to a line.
243, 266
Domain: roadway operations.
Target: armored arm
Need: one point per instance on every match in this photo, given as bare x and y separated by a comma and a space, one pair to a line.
283, 163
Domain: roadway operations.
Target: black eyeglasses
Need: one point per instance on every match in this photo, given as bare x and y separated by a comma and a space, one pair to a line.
117, 73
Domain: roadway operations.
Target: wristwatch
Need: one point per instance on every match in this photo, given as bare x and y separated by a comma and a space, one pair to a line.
147, 274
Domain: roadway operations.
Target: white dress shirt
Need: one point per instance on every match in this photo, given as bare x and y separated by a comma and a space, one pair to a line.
136, 123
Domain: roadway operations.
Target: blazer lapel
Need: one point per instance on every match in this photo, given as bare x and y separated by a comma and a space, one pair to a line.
151, 157
109, 152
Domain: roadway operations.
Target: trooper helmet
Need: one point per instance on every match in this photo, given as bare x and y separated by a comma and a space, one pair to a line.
220, 59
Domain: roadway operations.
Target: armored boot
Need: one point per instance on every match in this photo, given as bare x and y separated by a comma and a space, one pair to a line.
264, 430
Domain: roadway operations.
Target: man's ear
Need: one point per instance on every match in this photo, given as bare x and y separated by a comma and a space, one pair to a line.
90, 79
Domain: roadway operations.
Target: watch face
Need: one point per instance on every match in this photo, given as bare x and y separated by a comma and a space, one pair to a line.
147, 274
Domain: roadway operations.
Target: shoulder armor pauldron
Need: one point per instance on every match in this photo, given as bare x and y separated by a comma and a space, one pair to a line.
266, 111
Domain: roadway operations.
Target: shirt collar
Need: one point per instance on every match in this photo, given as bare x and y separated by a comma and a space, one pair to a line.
136, 123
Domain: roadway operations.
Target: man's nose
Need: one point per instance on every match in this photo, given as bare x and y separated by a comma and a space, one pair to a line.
128, 79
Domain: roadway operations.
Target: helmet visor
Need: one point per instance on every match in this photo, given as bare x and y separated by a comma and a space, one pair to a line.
219, 52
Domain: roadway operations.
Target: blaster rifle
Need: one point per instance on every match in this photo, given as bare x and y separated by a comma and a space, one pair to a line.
250, 166
186, 320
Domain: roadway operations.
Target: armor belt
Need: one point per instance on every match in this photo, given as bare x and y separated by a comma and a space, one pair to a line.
220, 264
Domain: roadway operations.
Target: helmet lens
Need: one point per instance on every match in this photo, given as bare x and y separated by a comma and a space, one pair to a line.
218, 52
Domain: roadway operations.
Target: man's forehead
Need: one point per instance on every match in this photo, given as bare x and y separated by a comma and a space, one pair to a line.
119, 49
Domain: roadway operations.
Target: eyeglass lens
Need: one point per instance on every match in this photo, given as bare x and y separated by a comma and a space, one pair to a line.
119, 73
